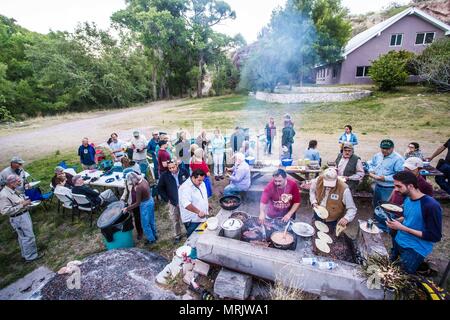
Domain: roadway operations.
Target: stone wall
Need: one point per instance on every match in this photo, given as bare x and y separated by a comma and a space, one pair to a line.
314, 94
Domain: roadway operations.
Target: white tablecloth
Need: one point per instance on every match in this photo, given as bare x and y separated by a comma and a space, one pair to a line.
101, 182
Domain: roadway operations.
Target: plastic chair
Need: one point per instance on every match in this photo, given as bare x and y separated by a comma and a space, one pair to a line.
66, 201
81, 200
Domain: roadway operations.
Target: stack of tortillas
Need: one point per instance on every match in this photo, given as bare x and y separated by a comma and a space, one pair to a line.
321, 212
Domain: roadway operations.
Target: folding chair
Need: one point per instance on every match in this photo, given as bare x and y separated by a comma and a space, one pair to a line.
66, 201
80, 200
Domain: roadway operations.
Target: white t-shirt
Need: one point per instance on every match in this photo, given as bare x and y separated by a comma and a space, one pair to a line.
140, 144
188, 194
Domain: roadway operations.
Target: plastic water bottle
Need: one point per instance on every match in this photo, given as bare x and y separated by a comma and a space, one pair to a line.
310, 261
327, 265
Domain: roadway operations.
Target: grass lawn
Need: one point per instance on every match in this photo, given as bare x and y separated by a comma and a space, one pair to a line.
411, 113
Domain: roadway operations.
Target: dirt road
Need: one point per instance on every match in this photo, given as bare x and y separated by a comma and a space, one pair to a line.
40, 137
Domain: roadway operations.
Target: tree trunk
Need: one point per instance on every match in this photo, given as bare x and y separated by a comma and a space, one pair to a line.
200, 77
154, 89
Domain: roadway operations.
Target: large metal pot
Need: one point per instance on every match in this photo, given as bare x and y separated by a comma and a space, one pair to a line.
232, 228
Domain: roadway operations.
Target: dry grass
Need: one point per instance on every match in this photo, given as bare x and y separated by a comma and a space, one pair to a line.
278, 291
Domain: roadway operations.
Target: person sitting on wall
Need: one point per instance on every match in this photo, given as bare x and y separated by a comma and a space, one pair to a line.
350, 167
240, 177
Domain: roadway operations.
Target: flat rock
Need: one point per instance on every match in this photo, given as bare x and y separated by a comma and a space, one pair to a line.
25, 287
112, 275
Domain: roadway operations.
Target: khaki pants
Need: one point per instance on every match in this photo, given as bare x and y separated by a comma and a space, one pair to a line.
174, 213
27, 242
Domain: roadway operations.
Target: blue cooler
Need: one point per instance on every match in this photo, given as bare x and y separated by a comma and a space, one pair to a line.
116, 227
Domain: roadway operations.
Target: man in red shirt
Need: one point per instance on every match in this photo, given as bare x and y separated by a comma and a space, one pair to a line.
163, 156
280, 198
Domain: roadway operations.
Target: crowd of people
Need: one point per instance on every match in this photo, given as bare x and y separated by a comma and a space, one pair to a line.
183, 179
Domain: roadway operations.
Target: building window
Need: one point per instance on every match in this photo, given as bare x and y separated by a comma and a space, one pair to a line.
424, 38
396, 40
362, 71
328, 72
334, 72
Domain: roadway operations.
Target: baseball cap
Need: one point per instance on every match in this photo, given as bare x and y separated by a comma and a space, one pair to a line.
330, 178
348, 145
413, 163
387, 144
17, 159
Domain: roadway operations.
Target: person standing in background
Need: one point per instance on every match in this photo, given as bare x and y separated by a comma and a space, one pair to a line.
86, 152
271, 131
151, 151
287, 138
139, 146
348, 136
218, 150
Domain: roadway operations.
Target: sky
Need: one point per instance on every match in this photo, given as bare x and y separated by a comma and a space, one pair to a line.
64, 15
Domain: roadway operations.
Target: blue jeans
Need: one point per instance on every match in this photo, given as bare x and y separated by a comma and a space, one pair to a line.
190, 227
410, 260
269, 145
231, 190
148, 219
444, 181
381, 194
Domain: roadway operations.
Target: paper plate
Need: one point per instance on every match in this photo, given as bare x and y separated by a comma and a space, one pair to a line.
302, 229
35, 203
325, 237
321, 212
374, 230
391, 207
322, 245
183, 250
321, 226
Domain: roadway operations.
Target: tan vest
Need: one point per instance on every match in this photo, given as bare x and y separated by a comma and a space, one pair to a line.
335, 205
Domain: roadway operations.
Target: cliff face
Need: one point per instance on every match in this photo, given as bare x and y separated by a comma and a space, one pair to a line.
439, 9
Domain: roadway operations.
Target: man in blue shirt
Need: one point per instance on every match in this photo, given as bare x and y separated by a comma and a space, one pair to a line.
86, 152
382, 168
151, 150
419, 228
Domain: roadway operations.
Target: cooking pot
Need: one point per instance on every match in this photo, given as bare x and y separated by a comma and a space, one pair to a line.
232, 228
279, 245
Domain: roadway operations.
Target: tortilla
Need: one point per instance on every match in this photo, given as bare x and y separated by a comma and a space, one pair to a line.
339, 229
325, 237
391, 207
322, 245
321, 226
321, 212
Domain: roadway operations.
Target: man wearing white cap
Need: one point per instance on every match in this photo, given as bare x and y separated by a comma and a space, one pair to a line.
14, 205
413, 165
15, 168
333, 194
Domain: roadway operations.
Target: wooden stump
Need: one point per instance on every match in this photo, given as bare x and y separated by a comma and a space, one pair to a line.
233, 285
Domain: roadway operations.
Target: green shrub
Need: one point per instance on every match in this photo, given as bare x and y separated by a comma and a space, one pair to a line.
391, 69
432, 65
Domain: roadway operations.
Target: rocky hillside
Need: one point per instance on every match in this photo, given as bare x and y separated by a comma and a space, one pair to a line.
440, 9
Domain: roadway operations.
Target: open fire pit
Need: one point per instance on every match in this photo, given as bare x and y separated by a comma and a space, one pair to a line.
345, 281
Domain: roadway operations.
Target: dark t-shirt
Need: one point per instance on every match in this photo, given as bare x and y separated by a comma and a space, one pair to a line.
163, 156
447, 145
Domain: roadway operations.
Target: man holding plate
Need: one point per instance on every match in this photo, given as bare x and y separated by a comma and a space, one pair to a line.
333, 194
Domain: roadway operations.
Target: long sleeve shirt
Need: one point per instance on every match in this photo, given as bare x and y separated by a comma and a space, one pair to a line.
348, 202
11, 202
387, 167
241, 176
358, 176
218, 145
